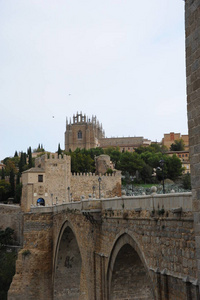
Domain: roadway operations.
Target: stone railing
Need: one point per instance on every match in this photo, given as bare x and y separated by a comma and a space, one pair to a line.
176, 202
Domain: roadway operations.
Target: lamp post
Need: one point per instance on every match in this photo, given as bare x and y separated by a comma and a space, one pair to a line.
99, 180
132, 183
162, 162
93, 188
68, 193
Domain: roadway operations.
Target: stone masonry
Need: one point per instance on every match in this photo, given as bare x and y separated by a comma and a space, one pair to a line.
88, 241
51, 179
192, 35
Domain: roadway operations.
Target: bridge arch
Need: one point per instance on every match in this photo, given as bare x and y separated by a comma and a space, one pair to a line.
67, 265
127, 273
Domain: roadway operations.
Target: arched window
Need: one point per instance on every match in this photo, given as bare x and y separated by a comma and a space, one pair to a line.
79, 134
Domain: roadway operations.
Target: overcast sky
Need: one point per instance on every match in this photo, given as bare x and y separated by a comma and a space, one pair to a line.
121, 60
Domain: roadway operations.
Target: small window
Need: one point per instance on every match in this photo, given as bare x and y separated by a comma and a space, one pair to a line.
40, 178
79, 134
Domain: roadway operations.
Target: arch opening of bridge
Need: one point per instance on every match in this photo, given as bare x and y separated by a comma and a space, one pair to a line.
127, 274
67, 267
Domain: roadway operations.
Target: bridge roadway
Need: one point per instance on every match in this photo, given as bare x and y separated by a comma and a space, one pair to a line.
119, 248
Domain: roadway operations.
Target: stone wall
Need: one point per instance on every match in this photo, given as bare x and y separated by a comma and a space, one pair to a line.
159, 232
11, 216
33, 277
88, 184
192, 34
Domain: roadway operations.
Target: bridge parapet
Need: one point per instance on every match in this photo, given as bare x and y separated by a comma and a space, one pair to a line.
170, 202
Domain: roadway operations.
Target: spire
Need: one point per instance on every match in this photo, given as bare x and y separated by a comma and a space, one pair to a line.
66, 122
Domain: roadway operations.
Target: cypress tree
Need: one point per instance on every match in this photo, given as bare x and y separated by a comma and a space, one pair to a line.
22, 162
2, 173
12, 183
59, 149
30, 160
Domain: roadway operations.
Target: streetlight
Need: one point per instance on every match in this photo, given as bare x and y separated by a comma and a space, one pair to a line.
99, 180
68, 193
162, 162
132, 183
93, 188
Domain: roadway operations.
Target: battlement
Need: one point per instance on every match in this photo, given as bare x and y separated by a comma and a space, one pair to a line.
114, 174
50, 157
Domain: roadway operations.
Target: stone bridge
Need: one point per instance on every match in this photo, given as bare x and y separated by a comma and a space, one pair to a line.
119, 248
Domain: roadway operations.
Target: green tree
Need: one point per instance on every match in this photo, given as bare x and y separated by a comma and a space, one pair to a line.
178, 145
4, 190
3, 173
16, 154
30, 160
186, 181
59, 150
174, 167
12, 183
7, 262
130, 162
114, 154
146, 173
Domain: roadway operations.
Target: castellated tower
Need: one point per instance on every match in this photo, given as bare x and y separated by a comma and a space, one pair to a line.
83, 132
49, 181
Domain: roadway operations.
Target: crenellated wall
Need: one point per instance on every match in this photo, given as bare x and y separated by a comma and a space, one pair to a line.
51, 180
88, 184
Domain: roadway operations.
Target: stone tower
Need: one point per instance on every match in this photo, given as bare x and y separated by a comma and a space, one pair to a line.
83, 133
48, 180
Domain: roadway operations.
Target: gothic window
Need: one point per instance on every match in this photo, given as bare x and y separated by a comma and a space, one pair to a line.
79, 134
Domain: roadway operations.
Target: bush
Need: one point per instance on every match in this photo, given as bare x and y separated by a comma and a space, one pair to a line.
186, 182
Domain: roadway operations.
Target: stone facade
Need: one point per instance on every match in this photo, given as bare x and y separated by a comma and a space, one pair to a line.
170, 138
88, 185
51, 180
88, 243
192, 35
124, 143
86, 133
48, 180
83, 133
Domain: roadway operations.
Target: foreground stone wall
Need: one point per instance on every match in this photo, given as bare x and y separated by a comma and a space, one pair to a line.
11, 216
33, 277
192, 33
88, 240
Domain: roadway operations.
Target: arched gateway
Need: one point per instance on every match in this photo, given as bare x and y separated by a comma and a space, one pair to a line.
67, 266
127, 275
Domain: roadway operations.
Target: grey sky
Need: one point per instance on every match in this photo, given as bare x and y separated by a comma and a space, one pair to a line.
122, 60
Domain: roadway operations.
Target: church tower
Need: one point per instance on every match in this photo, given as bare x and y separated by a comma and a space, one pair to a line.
83, 132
